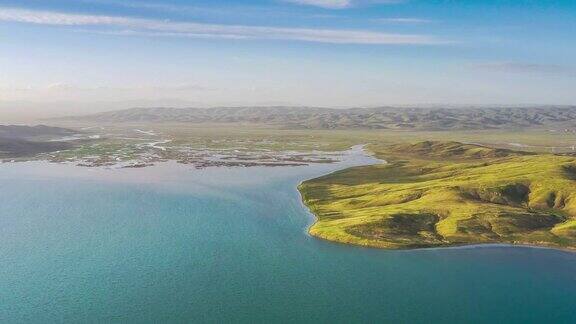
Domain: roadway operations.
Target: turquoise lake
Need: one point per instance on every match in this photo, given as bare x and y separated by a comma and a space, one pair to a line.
172, 244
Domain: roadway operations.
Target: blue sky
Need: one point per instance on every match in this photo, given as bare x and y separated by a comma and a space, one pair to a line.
305, 52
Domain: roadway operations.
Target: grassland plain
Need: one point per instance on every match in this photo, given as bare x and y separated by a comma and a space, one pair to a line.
433, 194
226, 136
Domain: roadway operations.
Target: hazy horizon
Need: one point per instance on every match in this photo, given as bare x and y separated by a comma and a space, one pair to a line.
27, 112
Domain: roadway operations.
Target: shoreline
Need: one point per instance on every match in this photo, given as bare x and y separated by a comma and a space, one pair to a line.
470, 246
314, 217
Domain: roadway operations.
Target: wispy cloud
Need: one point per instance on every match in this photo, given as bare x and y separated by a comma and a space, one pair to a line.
159, 28
191, 10
533, 68
329, 4
340, 4
146, 5
404, 20
63, 87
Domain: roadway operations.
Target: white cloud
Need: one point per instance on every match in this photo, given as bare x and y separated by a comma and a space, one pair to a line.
530, 68
404, 20
154, 27
329, 4
62, 91
59, 86
63, 87
340, 4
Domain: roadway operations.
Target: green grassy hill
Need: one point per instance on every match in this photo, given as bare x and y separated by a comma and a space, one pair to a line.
446, 193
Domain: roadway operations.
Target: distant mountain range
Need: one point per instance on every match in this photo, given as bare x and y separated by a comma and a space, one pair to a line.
353, 118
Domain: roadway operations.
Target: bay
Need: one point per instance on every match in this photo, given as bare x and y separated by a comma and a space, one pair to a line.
173, 244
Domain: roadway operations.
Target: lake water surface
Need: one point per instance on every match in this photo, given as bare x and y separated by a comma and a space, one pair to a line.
171, 244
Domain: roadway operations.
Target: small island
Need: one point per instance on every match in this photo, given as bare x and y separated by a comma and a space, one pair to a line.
439, 194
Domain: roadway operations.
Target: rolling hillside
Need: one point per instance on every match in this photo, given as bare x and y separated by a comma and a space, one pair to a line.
446, 193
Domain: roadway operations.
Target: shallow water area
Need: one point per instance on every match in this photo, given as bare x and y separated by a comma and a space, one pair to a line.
173, 244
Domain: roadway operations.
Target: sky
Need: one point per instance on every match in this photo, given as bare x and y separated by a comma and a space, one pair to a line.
91, 55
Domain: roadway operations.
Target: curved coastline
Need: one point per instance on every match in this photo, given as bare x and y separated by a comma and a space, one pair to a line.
313, 217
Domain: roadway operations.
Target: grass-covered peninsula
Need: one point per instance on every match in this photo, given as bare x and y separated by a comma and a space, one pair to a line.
434, 194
